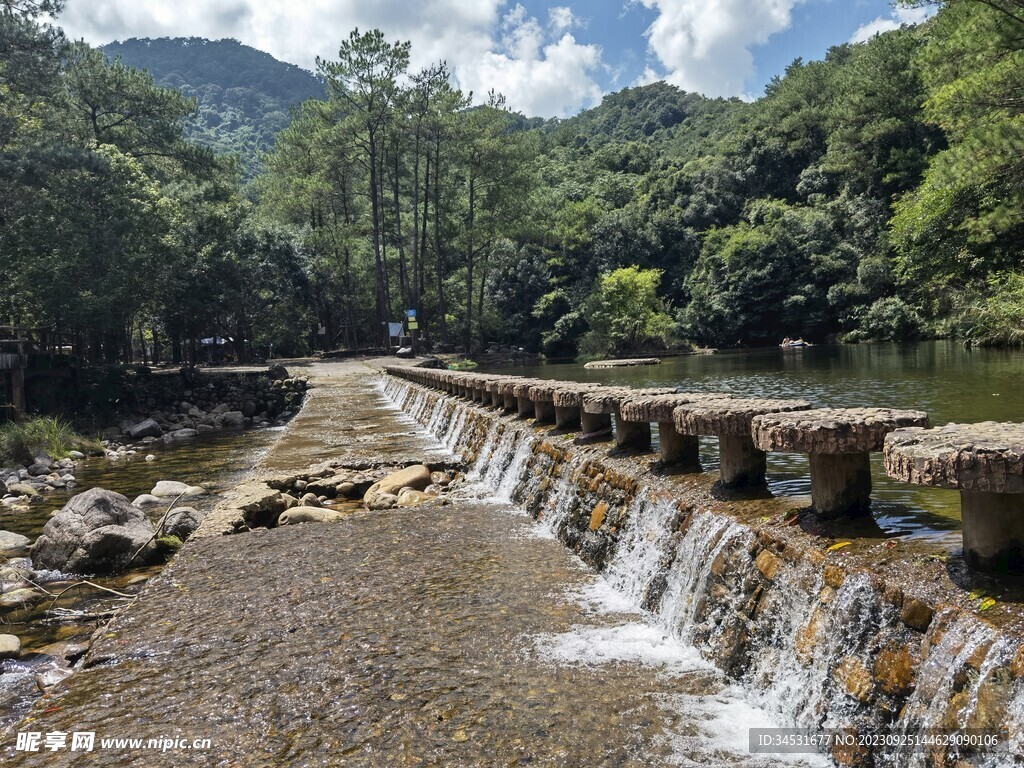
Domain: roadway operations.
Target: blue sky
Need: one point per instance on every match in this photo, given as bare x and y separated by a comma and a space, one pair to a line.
549, 57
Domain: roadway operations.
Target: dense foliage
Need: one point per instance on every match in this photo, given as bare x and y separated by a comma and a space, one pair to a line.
876, 194
116, 230
244, 97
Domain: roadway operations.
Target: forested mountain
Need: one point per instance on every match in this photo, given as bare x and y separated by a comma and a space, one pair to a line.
244, 96
877, 194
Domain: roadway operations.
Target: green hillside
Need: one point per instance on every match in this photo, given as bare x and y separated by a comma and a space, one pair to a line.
244, 95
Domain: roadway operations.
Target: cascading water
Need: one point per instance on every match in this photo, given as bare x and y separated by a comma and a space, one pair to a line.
806, 652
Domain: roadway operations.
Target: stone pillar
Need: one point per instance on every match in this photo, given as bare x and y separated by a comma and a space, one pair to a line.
741, 464
591, 423
567, 418
632, 435
841, 484
544, 411
510, 402
678, 449
497, 401
525, 406
993, 525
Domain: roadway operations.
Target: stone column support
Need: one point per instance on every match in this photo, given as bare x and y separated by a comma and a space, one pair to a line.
742, 464
678, 450
993, 531
840, 484
632, 435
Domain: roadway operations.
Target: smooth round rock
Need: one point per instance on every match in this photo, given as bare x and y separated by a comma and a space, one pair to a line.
984, 458
10, 647
832, 430
729, 417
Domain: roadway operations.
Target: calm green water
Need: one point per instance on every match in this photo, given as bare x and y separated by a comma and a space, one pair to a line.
951, 383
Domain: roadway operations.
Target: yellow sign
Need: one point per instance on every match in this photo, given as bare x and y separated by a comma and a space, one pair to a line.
413, 325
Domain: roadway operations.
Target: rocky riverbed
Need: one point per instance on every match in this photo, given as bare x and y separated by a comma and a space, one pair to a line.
48, 615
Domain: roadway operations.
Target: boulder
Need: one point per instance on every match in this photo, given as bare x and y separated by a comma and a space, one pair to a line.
378, 500
10, 647
15, 574
277, 373
310, 515
147, 500
96, 532
11, 541
310, 500
3, 488
260, 505
169, 489
76, 455
22, 489
183, 522
405, 353
39, 468
147, 428
234, 419
19, 598
181, 434
384, 493
411, 498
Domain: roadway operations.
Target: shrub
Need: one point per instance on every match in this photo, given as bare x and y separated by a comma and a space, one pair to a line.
21, 442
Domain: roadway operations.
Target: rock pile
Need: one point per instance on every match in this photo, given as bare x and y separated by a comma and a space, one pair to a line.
327, 494
223, 401
21, 485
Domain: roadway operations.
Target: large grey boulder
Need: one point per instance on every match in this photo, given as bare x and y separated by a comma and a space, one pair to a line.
96, 532
3, 488
183, 522
147, 428
234, 419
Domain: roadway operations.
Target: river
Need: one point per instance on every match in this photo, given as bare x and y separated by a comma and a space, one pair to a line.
950, 382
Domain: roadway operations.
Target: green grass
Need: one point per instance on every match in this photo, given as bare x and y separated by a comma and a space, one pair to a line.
22, 441
462, 365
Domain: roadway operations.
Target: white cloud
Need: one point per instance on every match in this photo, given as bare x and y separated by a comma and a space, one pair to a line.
895, 20
541, 69
561, 19
705, 45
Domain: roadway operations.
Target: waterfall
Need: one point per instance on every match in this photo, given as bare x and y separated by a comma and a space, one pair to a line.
515, 473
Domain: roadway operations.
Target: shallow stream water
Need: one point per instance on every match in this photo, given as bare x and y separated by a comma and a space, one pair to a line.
215, 462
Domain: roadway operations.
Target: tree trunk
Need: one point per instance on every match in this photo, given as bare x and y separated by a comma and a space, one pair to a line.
469, 264
403, 271
442, 310
375, 226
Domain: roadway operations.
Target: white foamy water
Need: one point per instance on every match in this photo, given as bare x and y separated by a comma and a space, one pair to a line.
636, 642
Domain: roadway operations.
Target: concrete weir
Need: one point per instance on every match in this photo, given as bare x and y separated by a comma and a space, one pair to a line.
863, 634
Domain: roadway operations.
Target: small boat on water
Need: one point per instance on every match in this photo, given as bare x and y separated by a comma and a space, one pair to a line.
789, 343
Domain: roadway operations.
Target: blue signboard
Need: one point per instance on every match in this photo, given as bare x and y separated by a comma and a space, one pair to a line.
411, 314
